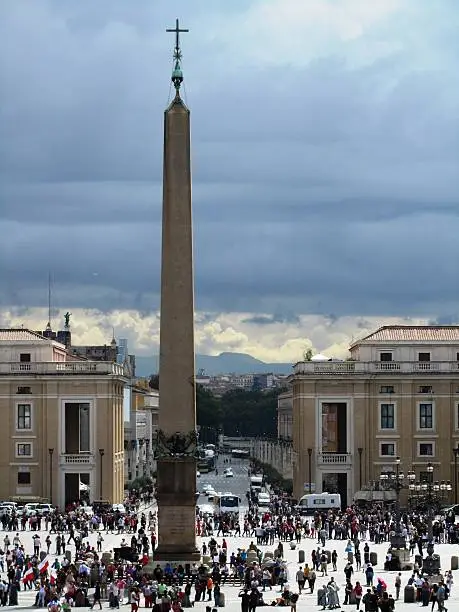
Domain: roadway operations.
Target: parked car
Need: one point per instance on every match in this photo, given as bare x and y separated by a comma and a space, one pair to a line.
87, 510
119, 508
44, 509
228, 473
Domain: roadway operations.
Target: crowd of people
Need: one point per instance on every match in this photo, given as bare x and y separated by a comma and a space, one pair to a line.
69, 564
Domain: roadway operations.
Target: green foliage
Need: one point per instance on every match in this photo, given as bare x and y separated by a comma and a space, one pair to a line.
140, 483
273, 477
238, 412
153, 383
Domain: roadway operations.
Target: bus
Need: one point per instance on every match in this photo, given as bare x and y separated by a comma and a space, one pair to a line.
228, 503
238, 453
206, 461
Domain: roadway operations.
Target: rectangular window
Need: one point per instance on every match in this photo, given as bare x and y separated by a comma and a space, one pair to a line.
24, 357
424, 357
387, 449
425, 449
24, 478
77, 427
425, 416
24, 417
386, 389
425, 389
387, 416
385, 356
23, 449
23, 390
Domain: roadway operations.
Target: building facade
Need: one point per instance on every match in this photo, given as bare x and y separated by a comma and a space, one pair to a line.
63, 428
140, 432
278, 451
396, 396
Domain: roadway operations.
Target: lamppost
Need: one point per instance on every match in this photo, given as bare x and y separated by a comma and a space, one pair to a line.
360, 451
309, 469
456, 453
430, 491
51, 451
395, 481
101, 453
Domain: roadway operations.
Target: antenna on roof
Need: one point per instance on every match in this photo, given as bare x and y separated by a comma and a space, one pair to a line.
48, 327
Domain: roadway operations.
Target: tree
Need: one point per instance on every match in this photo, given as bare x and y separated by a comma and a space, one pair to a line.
153, 383
208, 408
250, 413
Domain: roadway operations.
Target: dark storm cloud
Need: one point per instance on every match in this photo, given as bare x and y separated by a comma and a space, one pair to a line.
271, 319
323, 188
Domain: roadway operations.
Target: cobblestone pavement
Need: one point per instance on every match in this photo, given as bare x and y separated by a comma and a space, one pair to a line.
306, 601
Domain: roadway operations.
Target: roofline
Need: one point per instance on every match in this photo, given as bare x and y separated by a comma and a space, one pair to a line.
24, 329
383, 327
26, 341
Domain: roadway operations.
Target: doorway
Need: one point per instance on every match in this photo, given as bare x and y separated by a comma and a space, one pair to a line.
77, 488
336, 483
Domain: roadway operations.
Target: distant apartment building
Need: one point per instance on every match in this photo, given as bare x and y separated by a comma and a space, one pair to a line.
63, 434
104, 352
139, 433
396, 396
223, 383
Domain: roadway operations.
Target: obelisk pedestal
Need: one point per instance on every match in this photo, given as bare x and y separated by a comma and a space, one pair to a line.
177, 443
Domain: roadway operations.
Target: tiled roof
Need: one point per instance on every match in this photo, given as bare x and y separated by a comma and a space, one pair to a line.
12, 335
412, 333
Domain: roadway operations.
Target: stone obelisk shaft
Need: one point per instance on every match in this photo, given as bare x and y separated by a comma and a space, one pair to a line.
176, 482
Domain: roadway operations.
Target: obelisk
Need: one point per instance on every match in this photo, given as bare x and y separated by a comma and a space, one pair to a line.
176, 444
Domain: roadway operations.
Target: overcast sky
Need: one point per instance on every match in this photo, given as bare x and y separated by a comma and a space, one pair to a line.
325, 165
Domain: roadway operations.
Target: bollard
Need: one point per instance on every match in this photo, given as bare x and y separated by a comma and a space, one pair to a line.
454, 563
409, 594
301, 556
373, 559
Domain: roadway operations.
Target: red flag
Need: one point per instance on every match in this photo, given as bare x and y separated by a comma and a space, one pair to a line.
28, 576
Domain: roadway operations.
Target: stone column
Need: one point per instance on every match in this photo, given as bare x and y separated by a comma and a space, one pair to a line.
176, 482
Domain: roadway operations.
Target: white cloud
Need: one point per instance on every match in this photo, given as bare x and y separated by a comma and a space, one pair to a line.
215, 333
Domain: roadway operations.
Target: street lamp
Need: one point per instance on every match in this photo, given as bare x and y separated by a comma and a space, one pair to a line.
456, 453
396, 481
360, 451
309, 469
431, 491
51, 451
101, 453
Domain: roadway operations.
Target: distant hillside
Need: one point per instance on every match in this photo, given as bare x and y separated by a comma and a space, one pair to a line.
225, 363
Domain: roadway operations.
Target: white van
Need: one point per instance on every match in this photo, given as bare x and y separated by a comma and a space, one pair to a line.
314, 502
264, 498
256, 483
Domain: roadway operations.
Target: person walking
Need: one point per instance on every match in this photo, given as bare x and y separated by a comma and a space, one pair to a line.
245, 600
97, 596
398, 585
300, 578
